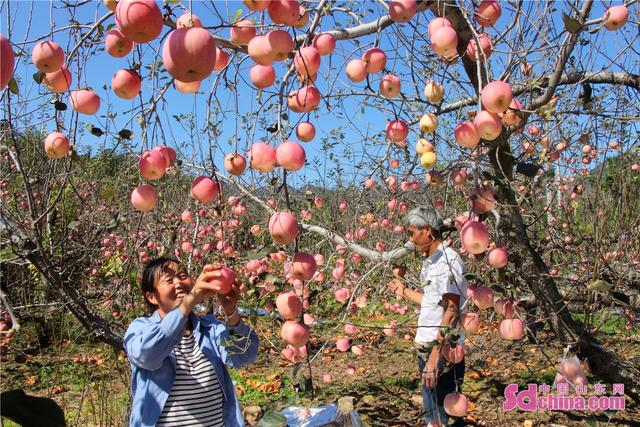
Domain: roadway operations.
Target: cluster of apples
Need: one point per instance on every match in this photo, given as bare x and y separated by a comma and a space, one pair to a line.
137, 21
293, 332
278, 45
275, 46
444, 38
152, 165
189, 52
396, 308
398, 130
497, 98
290, 155
303, 267
48, 57
510, 328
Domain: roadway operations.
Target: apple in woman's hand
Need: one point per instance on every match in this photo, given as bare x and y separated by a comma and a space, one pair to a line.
224, 280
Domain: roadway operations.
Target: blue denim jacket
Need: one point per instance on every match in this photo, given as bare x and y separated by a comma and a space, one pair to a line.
149, 343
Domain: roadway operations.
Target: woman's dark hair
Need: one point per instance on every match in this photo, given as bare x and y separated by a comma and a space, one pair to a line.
150, 275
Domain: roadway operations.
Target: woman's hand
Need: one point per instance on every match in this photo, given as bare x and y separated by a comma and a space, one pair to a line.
229, 301
202, 289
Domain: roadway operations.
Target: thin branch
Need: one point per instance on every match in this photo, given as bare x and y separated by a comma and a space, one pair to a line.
15, 325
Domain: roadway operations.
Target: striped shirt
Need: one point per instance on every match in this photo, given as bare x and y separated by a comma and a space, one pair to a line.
196, 397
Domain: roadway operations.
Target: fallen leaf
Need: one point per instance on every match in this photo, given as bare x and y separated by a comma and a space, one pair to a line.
31, 380
473, 375
272, 387
472, 418
486, 373
254, 383
272, 377
57, 390
491, 361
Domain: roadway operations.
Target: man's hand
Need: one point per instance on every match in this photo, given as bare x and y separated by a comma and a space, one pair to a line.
396, 286
430, 372
399, 271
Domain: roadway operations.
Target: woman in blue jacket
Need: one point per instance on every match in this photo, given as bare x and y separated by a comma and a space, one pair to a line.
179, 359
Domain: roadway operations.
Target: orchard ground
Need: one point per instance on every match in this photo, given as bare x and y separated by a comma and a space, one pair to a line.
554, 181
91, 381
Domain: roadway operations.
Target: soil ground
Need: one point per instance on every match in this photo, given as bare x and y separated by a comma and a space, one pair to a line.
91, 383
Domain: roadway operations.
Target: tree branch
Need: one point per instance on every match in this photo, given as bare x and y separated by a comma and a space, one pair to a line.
601, 77
368, 253
564, 55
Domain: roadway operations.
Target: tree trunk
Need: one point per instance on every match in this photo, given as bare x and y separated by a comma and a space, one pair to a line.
26, 248
533, 271
527, 261
76, 304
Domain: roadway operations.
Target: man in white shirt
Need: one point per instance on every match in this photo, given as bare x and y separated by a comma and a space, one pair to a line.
444, 292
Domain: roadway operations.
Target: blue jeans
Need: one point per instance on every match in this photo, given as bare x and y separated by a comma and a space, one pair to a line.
433, 398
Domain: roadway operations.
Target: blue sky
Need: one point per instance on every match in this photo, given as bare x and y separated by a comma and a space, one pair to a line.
98, 68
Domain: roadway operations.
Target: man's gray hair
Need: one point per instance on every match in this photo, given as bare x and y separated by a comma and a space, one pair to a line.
422, 216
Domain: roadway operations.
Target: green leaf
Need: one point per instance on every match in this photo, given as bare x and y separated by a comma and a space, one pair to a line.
107, 193
599, 285
527, 169
38, 76
273, 419
73, 225
270, 278
125, 134
258, 253
6, 254
95, 130
572, 25
13, 86
546, 112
